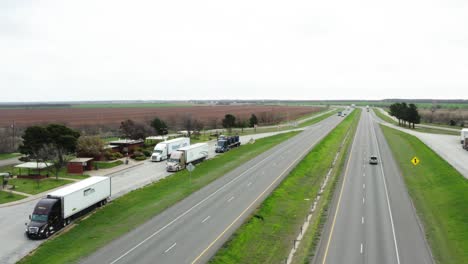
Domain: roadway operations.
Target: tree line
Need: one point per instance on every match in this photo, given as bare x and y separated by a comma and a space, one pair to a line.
406, 114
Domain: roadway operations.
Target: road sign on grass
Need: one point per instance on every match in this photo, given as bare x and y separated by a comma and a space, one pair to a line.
415, 161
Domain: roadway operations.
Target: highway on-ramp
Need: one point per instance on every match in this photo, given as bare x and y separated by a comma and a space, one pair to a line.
192, 230
372, 219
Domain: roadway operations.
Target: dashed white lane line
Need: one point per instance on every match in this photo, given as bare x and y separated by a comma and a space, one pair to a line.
363, 185
230, 199
363, 199
363, 175
206, 219
248, 184
171, 247
362, 220
361, 248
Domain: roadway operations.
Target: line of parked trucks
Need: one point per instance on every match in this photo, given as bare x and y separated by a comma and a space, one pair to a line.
60, 207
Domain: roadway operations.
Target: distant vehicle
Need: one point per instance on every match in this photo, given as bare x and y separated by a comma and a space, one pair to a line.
164, 149
63, 205
191, 154
463, 135
353, 105
226, 143
373, 160
367, 108
339, 113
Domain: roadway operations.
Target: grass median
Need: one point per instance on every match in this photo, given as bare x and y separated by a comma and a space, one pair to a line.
31, 186
135, 208
268, 237
442, 131
439, 193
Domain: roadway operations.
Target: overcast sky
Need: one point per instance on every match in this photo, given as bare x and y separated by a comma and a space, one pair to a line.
68, 50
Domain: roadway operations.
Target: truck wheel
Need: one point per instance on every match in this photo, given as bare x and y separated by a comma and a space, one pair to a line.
46, 234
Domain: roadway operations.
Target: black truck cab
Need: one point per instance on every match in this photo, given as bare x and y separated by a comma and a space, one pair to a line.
46, 218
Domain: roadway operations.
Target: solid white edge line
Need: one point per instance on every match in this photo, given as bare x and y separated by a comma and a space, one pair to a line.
386, 194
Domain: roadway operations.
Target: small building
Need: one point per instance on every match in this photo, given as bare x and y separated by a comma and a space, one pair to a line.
79, 165
127, 145
32, 170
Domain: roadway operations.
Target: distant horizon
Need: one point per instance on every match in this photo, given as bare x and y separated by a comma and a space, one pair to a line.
235, 100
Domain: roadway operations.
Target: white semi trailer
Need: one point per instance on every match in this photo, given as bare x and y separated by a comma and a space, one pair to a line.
183, 156
163, 150
61, 206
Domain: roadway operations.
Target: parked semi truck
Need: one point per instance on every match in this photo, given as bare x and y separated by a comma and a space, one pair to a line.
58, 208
191, 154
163, 150
225, 143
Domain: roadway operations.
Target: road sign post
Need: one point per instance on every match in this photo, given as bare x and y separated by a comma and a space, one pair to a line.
190, 168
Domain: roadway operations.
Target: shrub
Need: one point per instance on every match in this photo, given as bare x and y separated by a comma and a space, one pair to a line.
147, 153
140, 157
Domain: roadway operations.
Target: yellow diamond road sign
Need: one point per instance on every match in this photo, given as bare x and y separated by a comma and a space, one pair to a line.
415, 161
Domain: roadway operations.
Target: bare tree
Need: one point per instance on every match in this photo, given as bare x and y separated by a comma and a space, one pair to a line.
188, 123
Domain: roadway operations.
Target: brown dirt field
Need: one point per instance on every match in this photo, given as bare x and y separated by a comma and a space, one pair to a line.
113, 116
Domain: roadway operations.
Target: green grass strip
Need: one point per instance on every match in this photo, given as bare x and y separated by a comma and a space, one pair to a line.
4, 156
284, 211
31, 186
308, 246
417, 129
439, 193
135, 208
107, 165
6, 197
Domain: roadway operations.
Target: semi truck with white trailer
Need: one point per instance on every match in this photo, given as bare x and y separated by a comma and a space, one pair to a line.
463, 135
225, 143
59, 207
191, 154
163, 150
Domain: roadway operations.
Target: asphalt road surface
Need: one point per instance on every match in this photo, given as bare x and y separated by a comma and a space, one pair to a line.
194, 229
372, 219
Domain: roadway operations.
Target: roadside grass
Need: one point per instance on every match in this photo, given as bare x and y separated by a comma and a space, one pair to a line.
107, 165
417, 129
318, 119
439, 193
310, 240
6, 197
4, 156
61, 174
31, 186
131, 210
203, 137
268, 235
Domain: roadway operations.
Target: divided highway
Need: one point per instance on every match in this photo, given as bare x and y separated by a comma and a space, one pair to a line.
372, 219
193, 230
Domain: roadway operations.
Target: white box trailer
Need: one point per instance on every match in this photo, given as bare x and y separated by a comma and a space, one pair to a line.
163, 150
463, 135
61, 206
183, 156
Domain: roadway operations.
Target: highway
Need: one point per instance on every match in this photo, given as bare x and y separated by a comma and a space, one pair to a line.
372, 219
195, 228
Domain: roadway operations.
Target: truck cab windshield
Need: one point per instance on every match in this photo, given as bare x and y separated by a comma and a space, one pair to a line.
39, 218
173, 160
157, 151
221, 143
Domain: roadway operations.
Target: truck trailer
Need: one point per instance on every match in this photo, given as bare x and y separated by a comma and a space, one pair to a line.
183, 156
163, 150
463, 135
58, 208
225, 143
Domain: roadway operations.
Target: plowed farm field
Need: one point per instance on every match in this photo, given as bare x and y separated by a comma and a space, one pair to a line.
113, 116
